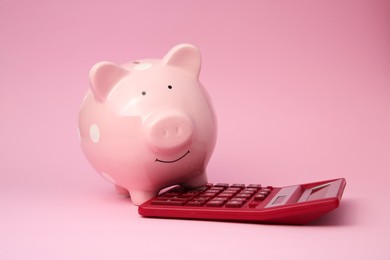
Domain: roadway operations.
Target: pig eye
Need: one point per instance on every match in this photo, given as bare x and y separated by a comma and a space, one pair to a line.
143, 93
169, 86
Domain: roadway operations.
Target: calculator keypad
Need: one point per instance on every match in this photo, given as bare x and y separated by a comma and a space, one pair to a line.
254, 203
217, 196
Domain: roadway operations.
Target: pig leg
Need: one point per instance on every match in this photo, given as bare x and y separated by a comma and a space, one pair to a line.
122, 191
197, 181
139, 197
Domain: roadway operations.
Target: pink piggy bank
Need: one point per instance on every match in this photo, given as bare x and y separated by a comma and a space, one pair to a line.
149, 124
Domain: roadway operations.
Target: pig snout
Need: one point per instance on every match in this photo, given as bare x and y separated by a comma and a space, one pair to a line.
169, 131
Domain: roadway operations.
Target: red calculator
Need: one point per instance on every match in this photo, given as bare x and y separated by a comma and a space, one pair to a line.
296, 204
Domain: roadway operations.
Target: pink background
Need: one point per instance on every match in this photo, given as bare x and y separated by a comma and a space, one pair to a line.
301, 90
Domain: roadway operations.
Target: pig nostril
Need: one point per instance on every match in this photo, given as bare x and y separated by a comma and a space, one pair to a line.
178, 130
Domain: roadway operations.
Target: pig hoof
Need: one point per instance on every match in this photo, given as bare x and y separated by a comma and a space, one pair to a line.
122, 191
139, 197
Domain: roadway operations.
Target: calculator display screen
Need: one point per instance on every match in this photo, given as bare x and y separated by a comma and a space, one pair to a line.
322, 191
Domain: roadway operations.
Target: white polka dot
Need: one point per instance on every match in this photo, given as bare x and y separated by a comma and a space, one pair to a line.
143, 66
94, 133
107, 177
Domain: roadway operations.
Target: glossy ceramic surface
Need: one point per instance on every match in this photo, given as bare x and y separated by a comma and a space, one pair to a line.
149, 124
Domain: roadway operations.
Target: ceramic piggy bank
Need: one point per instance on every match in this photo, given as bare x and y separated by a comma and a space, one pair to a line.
149, 124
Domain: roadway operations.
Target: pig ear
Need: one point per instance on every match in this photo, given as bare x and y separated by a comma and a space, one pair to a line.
186, 57
103, 76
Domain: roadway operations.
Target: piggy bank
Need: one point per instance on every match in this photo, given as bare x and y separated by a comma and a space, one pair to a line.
149, 124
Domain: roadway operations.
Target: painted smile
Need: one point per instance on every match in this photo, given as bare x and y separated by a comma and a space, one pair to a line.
158, 160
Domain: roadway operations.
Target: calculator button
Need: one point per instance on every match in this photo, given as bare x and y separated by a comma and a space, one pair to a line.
209, 194
196, 203
214, 203
240, 186
187, 195
226, 194
225, 185
259, 197
168, 202
256, 186
243, 195
216, 189
202, 198
234, 204
231, 191
172, 199
219, 199
163, 197
238, 199
235, 190
250, 189
250, 192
